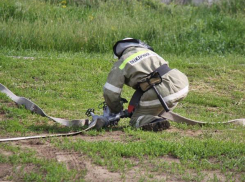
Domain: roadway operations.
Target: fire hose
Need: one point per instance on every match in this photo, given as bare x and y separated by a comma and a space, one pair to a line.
108, 117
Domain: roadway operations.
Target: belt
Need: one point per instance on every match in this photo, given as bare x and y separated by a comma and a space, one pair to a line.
162, 70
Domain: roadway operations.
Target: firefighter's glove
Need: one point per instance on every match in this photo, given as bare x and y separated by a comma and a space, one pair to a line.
123, 100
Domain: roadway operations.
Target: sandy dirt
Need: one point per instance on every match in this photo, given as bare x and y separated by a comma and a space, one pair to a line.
94, 173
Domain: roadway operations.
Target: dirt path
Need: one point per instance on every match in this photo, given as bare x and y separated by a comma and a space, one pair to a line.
80, 162
72, 160
76, 160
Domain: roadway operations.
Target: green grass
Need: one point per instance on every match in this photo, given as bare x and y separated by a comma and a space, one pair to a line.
21, 159
65, 85
58, 54
94, 26
196, 154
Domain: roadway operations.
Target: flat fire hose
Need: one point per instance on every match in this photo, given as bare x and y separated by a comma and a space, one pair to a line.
180, 119
29, 105
82, 122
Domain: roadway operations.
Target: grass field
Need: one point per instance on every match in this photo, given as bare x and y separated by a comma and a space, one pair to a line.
94, 25
43, 61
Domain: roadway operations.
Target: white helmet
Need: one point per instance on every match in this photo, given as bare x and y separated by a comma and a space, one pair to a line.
121, 45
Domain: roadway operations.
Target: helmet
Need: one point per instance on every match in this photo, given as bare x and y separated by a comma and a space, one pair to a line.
121, 45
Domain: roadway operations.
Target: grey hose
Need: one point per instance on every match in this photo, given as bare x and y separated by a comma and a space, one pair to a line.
82, 122
29, 105
180, 119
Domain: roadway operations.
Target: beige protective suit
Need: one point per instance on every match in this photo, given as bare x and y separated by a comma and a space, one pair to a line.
134, 64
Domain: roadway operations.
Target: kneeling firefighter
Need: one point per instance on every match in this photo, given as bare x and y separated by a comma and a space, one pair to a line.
158, 87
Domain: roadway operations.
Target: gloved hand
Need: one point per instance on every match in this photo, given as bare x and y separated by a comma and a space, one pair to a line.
123, 100
126, 114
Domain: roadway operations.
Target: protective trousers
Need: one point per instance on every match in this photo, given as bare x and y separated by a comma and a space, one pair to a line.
173, 89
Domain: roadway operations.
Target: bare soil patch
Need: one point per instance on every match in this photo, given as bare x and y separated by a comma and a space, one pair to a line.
80, 162
107, 136
5, 171
193, 133
72, 160
45, 150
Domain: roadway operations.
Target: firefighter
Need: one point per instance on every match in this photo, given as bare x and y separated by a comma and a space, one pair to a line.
139, 67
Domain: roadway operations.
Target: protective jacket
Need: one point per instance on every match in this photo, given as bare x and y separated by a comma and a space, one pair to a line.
135, 64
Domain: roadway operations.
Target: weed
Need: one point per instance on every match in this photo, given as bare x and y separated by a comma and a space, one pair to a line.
29, 24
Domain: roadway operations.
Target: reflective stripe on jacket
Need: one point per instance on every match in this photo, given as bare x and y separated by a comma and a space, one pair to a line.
135, 64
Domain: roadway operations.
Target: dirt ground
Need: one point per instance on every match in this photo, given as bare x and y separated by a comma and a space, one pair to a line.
80, 162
